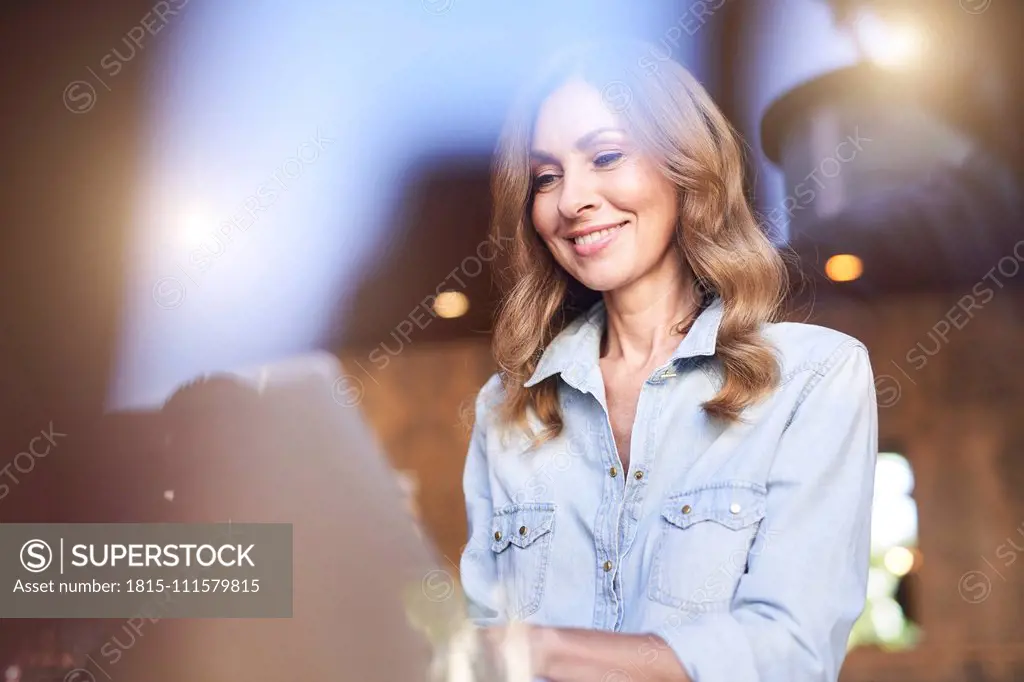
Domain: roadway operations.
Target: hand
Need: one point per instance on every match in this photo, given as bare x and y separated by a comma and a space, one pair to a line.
510, 640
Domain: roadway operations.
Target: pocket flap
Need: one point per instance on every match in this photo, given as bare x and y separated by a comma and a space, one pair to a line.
734, 505
521, 524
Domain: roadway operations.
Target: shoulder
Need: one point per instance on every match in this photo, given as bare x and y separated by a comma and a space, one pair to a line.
491, 420
491, 392
810, 349
488, 398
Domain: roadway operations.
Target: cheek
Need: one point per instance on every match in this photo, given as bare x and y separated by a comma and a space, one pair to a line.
544, 215
653, 198
628, 189
639, 188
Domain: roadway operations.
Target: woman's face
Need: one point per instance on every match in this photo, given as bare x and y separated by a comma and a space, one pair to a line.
604, 210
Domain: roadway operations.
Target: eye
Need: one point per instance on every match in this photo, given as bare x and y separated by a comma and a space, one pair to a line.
543, 180
607, 158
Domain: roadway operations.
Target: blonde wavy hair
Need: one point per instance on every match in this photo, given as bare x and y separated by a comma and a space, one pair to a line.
671, 118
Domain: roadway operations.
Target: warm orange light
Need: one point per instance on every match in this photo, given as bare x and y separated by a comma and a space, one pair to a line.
844, 267
451, 304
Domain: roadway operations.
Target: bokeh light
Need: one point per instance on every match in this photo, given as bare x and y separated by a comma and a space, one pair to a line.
451, 304
844, 267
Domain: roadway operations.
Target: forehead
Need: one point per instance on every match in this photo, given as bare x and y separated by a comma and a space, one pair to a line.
570, 112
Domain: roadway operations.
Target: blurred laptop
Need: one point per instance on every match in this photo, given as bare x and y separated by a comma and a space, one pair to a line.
273, 445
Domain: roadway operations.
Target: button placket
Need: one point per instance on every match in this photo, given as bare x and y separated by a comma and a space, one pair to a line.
650, 404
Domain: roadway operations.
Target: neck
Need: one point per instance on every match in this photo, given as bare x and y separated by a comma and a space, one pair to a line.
643, 315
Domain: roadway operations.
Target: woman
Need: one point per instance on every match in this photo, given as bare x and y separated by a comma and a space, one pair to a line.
668, 485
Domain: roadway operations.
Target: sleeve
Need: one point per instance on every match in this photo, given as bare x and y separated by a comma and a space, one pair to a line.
806, 579
477, 565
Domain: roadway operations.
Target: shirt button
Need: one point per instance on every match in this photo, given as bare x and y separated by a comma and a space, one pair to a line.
607, 566
522, 530
734, 508
497, 535
687, 509
638, 475
613, 472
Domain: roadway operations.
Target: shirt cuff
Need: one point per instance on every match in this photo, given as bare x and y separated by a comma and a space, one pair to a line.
712, 648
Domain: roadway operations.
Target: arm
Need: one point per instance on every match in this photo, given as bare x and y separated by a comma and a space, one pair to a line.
793, 611
580, 655
794, 608
477, 565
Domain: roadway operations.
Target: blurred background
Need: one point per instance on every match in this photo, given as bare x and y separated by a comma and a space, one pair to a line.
192, 186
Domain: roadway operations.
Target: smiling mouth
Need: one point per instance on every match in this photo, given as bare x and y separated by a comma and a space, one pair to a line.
596, 236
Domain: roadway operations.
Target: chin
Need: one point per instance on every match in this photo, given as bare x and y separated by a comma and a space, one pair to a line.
602, 281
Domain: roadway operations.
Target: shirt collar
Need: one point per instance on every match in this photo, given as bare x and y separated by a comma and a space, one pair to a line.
577, 348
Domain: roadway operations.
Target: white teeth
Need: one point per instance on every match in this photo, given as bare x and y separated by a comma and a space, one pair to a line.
595, 236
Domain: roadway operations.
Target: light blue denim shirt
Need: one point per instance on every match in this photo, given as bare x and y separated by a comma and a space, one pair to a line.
744, 546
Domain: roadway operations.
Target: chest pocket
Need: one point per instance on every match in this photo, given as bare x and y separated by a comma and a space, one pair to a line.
704, 541
521, 542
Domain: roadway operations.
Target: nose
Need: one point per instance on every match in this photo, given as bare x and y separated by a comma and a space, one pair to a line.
578, 195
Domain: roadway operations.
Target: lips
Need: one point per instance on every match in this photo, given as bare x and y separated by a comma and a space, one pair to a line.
594, 236
595, 240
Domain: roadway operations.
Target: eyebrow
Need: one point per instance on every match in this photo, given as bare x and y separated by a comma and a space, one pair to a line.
584, 141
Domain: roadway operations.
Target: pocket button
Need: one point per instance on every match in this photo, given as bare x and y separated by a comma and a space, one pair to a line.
706, 530
522, 544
